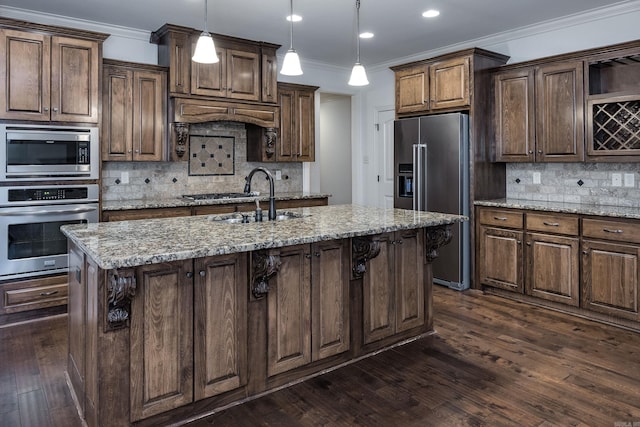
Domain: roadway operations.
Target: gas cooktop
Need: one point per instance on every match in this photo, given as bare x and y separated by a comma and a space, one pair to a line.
209, 196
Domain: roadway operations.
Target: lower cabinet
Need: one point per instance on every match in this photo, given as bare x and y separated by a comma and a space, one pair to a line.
500, 259
611, 268
308, 305
188, 332
393, 286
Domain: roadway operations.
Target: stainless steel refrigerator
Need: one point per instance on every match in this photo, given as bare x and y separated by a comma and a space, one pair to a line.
431, 156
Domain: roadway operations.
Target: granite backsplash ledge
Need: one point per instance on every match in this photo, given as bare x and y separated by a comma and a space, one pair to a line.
586, 183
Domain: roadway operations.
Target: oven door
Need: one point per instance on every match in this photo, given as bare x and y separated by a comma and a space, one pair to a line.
34, 244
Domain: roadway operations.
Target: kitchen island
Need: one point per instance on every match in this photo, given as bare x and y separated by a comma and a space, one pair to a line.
176, 318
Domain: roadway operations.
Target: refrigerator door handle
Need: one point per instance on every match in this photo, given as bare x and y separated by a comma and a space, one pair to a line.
418, 176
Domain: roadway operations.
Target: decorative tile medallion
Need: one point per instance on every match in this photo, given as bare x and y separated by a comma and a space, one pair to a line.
211, 155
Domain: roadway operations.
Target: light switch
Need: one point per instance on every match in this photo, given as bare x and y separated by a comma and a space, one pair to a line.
629, 180
124, 177
278, 175
536, 177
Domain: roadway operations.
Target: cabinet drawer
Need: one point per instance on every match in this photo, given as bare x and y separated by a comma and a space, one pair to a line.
501, 218
553, 223
611, 230
31, 298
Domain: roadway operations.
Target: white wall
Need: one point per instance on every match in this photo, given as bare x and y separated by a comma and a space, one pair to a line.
333, 153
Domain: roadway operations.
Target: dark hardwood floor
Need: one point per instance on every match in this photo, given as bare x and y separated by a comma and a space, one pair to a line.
492, 362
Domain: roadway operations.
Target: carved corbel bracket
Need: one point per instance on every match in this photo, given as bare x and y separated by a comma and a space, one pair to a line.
363, 249
264, 266
121, 288
181, 131
436, 237
270, 138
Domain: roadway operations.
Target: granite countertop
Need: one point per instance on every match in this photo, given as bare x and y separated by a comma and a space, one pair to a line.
132, 243
573, 208
120, 205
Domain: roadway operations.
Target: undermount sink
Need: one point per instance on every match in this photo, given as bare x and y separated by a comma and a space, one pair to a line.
250, 217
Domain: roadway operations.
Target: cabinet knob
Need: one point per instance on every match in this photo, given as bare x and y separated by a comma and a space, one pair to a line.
55, 109
539, 151
317, 254
528, 243
189, 274
307, 256
202, 273
46, 108
137, 151
585, 252
519, 242
530, 151
128, 151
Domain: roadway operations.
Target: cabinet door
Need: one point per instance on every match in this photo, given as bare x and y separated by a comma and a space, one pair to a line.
560, 112
269, 76
305, 126
243, 75
378, 293
412, 90
115, 132
553, 268
610, 278
409, 279
210, 79
161, 339
25, 75
289, 312
330, 302
285, 145
220, 327
514, 115
74, 80
500, 258
149, 93
449, 83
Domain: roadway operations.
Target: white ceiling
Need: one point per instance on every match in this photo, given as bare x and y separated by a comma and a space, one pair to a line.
327, 32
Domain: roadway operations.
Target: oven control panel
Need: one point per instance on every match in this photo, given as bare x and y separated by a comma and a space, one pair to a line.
41, 195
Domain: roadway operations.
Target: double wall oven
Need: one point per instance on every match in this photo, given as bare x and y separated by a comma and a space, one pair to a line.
48, 178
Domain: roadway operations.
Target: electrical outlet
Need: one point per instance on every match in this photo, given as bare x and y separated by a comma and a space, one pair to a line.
124, 177
536, 177
278, 175
629, 180
616, 180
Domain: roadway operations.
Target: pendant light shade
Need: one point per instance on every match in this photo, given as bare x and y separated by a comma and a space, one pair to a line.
291, 63
358, 73
205, 52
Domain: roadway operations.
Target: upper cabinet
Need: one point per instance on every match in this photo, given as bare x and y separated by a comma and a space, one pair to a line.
133, 112
579, 106
246, 70
295, 139
440, 84
539, 113
50, 73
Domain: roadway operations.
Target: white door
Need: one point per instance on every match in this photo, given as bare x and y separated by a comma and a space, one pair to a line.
384, 153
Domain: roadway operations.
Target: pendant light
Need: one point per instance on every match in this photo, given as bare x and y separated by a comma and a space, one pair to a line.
358, 74
291, 63
205, 52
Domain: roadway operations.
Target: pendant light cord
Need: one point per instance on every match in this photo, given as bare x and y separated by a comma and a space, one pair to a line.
206, 14
291, 27
358, 31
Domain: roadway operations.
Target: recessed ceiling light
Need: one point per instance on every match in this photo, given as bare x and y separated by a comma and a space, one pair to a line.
294, 18
366, 35
431, 13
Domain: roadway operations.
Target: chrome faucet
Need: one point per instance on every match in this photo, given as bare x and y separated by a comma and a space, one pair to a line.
272, 197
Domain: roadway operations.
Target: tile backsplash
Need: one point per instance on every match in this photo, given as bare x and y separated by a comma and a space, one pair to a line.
154, 180
594, 183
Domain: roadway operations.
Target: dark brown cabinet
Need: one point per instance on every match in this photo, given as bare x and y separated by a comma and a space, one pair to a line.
539, 113
246, 70
433, 86
133, 112
49, 77
611, 267
393, 294
308, 306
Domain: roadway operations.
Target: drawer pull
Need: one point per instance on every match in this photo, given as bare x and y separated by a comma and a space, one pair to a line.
608, 230
551, 224
46, 294
500, 218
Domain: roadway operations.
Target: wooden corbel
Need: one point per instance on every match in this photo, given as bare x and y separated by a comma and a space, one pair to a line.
436, 237
264, 266
121, 288
363, 249
270, 138
181, 135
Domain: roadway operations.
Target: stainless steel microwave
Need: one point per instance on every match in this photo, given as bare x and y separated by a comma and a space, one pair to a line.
40, 152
